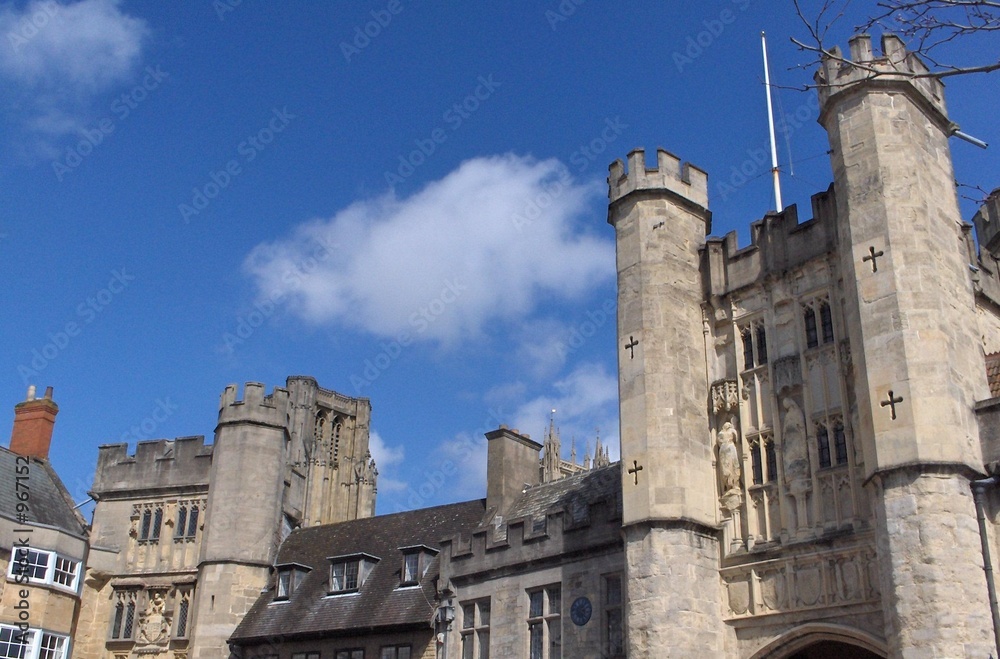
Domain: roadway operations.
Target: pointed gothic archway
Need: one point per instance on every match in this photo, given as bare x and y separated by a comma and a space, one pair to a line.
823, 641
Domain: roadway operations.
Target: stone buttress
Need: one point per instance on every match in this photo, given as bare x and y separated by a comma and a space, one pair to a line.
661, 218
911, 317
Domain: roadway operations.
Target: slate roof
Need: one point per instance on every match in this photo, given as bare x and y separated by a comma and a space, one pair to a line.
49, 503
993, 373
573, 494
380, 603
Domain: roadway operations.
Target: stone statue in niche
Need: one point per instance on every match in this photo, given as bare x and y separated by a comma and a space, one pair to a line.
793, 443
729, 459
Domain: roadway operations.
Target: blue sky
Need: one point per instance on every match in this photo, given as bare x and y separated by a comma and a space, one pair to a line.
197, 193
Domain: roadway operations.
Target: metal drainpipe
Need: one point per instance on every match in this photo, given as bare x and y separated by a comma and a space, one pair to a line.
978, 490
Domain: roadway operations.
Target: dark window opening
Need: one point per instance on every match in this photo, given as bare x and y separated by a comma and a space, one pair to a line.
826, 320
812, 340
823, 443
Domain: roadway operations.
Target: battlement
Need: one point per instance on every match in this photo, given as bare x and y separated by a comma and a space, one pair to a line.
778, 242
255, 408
158, 464
897, 67
549, 520
683, 179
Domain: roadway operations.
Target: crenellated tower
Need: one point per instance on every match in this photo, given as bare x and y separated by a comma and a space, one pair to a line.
195, 527
911, 318
244, 519
661, 218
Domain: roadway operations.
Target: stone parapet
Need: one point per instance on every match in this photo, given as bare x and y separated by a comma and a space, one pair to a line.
155, 465
683, 179
255, 408
778, 243
897, 67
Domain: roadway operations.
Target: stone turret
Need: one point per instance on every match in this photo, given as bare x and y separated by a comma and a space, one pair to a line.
661, 218
911, 317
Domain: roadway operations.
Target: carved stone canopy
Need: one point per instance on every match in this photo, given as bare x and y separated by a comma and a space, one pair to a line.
725, 395
787, 373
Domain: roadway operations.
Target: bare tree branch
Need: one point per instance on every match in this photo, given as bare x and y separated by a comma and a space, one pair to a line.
929, 26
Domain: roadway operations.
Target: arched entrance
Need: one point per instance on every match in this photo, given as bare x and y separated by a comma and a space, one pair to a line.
823, 641
834, 650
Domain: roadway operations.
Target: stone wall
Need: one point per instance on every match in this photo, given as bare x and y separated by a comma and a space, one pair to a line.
673, 592
932, 579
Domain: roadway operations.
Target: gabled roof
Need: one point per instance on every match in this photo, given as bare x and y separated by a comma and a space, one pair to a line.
573, 495
380, 603
49, 503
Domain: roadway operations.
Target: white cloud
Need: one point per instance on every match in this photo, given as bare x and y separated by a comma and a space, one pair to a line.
465, 457
584, 400
446, 262
386, 457
56, 58
85, 46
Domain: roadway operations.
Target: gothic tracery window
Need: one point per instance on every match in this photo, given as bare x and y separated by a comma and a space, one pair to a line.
840, 443
823, 446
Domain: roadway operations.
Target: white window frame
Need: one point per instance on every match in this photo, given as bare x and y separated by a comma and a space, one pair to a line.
365, 564
50, 569
35, 639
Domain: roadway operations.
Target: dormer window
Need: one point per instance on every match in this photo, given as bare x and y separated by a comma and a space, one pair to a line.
290, 577
416, 560
348, 573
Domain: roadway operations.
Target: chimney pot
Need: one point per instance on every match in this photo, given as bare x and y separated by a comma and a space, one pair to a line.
34, 419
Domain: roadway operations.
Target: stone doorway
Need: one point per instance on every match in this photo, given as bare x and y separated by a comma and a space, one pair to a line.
833, 650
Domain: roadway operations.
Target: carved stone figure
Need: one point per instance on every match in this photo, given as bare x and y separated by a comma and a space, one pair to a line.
793, 443
729, 459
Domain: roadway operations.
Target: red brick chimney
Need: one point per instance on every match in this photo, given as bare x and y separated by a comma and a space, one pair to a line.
33, 422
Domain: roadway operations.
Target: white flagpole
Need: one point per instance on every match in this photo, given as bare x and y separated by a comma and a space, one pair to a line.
770, 125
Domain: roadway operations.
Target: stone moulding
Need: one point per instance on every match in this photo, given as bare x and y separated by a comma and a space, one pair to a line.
819, 580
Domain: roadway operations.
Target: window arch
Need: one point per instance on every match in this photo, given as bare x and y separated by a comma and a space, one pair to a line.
747, 337
337, 428
812, 336
823, 445
840, 443
322, 420
826, 322
755, 463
